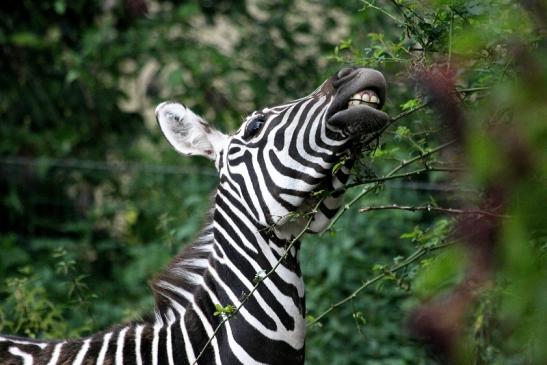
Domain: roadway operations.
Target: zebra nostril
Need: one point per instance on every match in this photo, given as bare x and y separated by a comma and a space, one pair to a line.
344, 72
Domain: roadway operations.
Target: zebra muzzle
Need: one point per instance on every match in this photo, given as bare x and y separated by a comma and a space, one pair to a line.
359, 97
360, 118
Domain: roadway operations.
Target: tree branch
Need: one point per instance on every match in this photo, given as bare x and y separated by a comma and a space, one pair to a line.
370, 5
413, 110
391, 121
367, 190
429, 208
415, 256
403, 175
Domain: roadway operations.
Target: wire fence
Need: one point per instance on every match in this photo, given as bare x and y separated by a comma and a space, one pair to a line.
43, 194
116, 167
112, 167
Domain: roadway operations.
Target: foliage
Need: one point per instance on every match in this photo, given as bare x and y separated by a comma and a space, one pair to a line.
94, 202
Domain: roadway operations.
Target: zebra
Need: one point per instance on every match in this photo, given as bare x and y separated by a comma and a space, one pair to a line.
270, 171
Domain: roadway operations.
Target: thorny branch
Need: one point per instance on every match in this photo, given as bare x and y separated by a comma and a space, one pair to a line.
415, 256
366, 190
403, 175
430, 208
368, 4
401, 115
406, 113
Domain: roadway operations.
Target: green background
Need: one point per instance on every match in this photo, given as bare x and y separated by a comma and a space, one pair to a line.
94, 201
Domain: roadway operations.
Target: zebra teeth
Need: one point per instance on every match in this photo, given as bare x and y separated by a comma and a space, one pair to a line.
365, 97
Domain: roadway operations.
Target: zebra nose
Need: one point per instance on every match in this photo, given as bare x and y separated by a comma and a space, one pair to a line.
344, 72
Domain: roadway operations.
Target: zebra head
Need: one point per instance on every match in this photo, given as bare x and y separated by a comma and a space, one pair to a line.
281, 155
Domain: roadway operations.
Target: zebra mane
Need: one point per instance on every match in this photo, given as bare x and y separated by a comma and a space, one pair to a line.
176, 284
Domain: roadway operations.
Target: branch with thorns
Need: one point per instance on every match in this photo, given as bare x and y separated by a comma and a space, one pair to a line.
412, 258
430, 208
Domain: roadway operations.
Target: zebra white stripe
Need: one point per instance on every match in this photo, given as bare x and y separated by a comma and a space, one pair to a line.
27, 358
104, 348
119, 346
55, 354
82, 352
138, 336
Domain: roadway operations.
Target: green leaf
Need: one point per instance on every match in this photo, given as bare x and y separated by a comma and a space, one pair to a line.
409, 104
59, 6
25, 39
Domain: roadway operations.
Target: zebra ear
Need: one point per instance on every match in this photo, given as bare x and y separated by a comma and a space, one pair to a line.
188, 133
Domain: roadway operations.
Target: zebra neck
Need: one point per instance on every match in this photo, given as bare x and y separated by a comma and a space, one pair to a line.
221, 268
227, 257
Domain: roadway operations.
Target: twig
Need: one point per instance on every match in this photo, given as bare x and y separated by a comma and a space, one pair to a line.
377, 134
367, 190
473, 89
403, 175
413, 110
400, 8
370, 5
429, 208
450, 37
415, 256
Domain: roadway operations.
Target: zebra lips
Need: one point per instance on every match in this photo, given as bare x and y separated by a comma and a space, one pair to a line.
359, 119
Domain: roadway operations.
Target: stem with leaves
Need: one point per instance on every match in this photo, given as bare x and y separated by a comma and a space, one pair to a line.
402, 175
429, 208
377, 182
368, 4
415, 256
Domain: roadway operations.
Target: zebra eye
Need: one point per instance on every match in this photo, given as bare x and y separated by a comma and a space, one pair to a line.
253, 127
